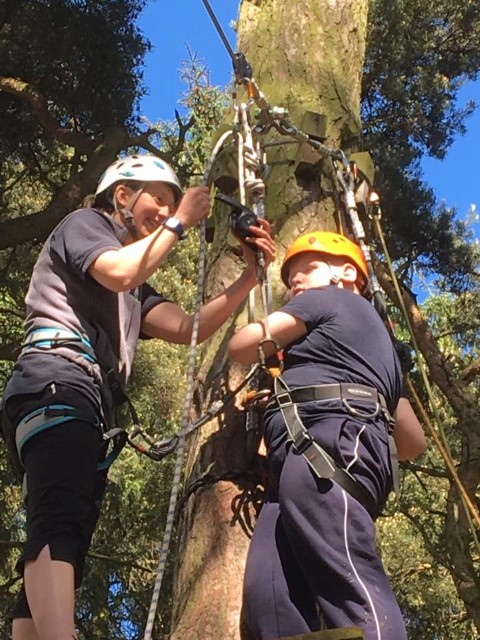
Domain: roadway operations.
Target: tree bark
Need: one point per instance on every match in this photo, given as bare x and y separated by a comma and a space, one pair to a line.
306, 56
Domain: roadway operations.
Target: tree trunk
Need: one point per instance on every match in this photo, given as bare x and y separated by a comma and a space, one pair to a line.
306, 56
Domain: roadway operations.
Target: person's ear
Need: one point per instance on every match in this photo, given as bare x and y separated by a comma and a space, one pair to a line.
349, 273
121, 195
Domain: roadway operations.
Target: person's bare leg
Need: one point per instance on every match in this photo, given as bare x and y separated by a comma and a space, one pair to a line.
24, 629
49, 585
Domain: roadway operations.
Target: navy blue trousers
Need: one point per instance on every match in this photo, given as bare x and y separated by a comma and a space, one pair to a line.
312, 562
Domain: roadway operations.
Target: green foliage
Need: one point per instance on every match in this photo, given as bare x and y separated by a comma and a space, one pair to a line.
423, 586
418, 55
83, 57
425, 574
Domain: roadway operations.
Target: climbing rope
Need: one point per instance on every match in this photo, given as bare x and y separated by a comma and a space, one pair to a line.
181, 443
181, 438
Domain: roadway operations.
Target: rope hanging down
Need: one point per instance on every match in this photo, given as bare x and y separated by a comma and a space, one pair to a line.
181, 441
178, 441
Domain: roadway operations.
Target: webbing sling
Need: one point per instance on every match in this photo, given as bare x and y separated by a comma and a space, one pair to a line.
323, 465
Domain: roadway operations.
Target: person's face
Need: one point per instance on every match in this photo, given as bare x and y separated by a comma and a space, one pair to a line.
307, 271
311, 270
155, 204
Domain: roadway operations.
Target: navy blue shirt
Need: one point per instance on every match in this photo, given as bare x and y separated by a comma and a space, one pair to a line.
346, 341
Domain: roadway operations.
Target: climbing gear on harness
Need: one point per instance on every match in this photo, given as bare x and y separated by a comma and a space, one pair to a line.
140, 168
271, 362
329, 243
323, 465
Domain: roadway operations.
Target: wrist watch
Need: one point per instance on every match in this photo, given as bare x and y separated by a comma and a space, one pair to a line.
174, 225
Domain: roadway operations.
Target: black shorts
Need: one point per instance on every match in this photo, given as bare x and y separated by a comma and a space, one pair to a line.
64, 487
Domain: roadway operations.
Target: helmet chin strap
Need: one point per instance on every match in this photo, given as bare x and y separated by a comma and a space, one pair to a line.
126, 212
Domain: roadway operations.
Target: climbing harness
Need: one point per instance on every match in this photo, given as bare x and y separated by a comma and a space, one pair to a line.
50, 337
369, 405
43, 418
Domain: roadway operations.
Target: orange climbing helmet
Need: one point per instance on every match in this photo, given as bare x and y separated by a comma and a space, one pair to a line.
332, 244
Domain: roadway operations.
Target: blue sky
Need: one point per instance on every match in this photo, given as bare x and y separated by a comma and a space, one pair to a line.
171, 26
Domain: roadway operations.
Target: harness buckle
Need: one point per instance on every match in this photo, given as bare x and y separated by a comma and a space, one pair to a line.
255, 397
283, 399
302, 441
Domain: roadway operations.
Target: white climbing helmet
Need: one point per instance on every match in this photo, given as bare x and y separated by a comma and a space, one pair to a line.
145, 168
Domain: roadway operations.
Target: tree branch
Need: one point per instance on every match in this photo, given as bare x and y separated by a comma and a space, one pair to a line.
143, 140
38, 104
36, 226
470, 372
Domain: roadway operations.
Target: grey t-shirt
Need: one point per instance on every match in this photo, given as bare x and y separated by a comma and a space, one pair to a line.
63, 295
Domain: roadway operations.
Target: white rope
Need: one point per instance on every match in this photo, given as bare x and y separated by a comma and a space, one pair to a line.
184, 430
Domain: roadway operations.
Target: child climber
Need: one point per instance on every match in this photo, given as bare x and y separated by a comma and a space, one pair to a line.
312, 562
87, 305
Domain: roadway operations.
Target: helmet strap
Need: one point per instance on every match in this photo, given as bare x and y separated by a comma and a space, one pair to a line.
126, 212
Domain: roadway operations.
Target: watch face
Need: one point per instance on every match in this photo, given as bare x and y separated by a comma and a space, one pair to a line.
174, 225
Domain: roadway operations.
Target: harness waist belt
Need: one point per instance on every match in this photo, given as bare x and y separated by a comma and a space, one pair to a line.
337, 391
52, 337
340, 391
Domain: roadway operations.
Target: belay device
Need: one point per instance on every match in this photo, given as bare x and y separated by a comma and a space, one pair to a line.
241, 217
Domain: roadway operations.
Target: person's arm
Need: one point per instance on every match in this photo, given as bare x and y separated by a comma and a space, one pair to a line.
169, 322
283, 327
130, 266
408, 434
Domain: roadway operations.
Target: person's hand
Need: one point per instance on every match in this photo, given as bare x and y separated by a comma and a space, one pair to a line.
259, 237
194, 206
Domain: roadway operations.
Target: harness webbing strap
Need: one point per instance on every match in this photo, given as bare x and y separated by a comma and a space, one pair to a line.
41, 419
47, 338
322, 464
54, 414
51, 337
